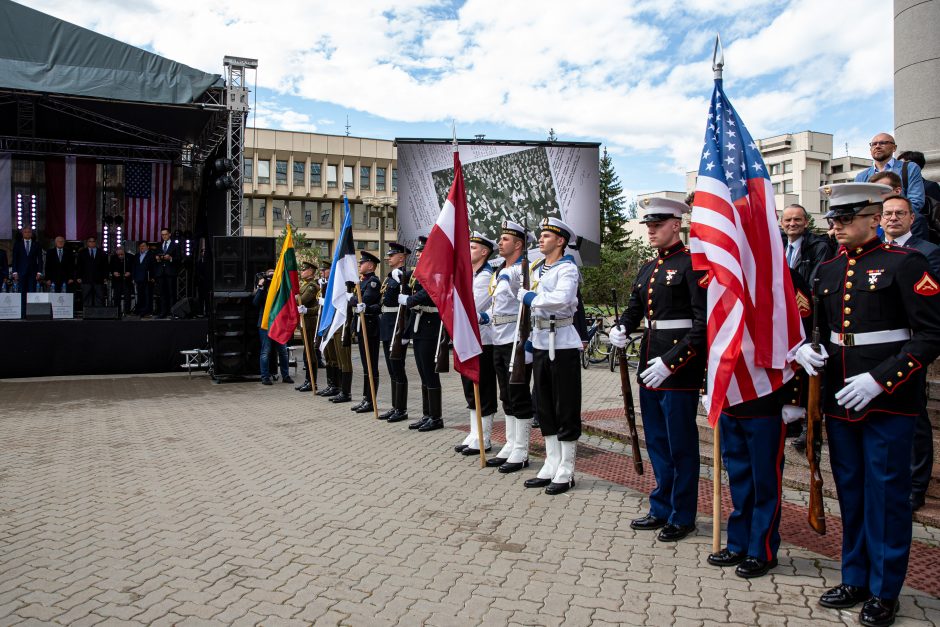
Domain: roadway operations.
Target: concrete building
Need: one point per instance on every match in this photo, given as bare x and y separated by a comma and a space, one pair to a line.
304, 175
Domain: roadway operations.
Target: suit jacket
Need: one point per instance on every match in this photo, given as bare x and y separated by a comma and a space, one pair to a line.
4, 266
92, 271
169, 268
142, 271
928, 250
814, 249
27, 265
59, 271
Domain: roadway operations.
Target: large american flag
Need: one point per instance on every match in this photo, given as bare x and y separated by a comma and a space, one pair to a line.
147, 199
753, 319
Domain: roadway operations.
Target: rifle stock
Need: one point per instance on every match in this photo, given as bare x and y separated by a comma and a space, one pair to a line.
816, 512
523, 328
397, 350
441, 356
626, 390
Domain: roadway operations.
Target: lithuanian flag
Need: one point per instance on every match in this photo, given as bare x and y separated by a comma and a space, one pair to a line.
280, 309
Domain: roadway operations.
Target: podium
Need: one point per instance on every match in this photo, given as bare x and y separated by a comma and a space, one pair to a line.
63, 305
11, 306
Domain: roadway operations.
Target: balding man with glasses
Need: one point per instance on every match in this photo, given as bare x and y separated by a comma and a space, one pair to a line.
882, 148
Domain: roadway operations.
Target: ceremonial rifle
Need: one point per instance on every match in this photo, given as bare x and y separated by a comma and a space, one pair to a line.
523, 318
817, 515
626, 389
397, 350
347, 325
443, 351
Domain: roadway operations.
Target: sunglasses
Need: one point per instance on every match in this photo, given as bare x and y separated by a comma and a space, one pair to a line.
845, 220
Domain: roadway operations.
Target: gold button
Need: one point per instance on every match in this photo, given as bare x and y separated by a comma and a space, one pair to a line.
900, 374
681, 359
660, 262
826, 291
850, 273
797, 377
848, 297
889, 384
651, 313
688, 352
857, 250
871, 287
848, 310
651, 290
653, 280
846, 323
848, 285
851, 262
675, 341
910, 364
649, 302
795, 402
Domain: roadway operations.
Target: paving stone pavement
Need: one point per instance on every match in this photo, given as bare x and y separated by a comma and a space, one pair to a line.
168, 500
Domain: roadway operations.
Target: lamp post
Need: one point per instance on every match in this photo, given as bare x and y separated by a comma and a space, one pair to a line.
380, 208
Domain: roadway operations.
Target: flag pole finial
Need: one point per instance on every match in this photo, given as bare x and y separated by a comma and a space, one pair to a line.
453, 129
718, 58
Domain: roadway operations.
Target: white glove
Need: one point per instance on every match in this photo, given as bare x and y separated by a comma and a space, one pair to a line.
618, 336
792, 413
360, 308
520, 295
705, 403
320, 301
655, 374
350, 296
858, 392
405, 341
301, 309
403, 300
396, 274
810, 359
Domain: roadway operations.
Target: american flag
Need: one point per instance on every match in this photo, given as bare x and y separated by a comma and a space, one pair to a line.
147, 199
753, 319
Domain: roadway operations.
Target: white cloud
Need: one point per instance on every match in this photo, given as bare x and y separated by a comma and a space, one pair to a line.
271, 114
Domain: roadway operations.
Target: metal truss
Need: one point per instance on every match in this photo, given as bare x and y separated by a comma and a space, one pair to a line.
236, 104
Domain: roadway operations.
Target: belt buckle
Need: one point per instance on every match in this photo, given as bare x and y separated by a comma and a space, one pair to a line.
848, 339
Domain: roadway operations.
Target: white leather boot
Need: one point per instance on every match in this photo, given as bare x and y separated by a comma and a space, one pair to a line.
564, 476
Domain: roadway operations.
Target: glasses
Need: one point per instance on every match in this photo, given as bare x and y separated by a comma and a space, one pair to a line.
896, 214
882, 143
845, 220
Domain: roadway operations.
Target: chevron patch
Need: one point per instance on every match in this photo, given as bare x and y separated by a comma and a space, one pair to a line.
927, 286
802, 303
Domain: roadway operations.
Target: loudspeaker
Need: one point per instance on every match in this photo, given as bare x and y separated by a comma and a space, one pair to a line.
39, 311
184, 308
101, 313
238, 259
233, 334
260, 254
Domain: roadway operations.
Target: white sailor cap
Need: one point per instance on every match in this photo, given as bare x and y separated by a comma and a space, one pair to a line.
517, 230
556, 226
483, 240
655, 209
850, 198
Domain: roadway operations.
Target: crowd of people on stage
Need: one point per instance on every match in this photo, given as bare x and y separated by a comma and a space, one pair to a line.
877, 291
130, 280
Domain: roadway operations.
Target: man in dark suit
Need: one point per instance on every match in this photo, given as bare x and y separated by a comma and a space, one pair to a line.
4, 270
142, 268
92, 271
168, 259
119, 270
27, 262
897, 217
60, 266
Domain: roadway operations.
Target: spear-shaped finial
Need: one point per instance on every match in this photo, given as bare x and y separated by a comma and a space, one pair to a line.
718, 58
453, 128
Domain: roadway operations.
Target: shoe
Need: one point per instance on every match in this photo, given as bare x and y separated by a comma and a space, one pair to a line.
794, 428
329, 390
558, 488
917, 501
800, 443
399, 416
475, 451
432, 425
417, 424
535, 423
341, 398
266, 381
493, 462
648, 523
752, 567
726, 557
287, 379
388, 414
514, 466
356, 407
459, 448
306, 386
365, 408
535, 482
674, 533
844, 596
878, 612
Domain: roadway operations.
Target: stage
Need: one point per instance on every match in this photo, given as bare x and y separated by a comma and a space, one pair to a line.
34, 348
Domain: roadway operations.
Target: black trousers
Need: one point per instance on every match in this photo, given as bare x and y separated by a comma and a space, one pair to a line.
922, 449
374, 356
92, 295
121, 293
396, 367
488, 402
516, 398
424, 350
144, 298
167, 293
558, 389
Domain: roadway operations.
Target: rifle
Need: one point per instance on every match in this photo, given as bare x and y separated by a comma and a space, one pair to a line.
397, 350
347, 326
443, 351
523, 319
817, 515
317, 338
626, 389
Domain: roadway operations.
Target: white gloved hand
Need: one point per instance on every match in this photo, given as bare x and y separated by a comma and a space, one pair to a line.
360, 308
618, 336
520, 295
792, 413
350, 296
810, 359
301, 309
655, 373
320, 301
397, 274
404, 342
858, 392
705, 402
403, 300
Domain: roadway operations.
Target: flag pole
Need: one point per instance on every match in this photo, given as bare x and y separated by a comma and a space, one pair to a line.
718, 63
364, 336
310, 363
476, 398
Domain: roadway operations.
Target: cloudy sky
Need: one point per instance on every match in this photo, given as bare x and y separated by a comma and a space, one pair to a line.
634, 75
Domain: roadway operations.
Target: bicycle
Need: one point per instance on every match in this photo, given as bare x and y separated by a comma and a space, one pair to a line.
598, 347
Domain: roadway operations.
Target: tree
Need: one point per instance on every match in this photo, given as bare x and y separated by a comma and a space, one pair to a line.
617, 270
303, 249
613, 211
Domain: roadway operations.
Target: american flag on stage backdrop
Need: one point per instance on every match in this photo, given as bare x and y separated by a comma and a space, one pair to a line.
147, 199
753, 319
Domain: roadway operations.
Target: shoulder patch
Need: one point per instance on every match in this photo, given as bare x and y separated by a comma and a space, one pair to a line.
802, 303
927, 285
704, 281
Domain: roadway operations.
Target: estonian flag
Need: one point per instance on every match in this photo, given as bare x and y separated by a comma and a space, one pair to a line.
344, 270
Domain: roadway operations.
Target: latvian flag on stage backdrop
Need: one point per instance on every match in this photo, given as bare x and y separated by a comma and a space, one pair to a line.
280, 316
445, 272
70, 197
753, 319
147, 189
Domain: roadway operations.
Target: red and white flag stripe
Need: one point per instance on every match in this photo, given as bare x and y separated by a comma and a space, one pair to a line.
145, 216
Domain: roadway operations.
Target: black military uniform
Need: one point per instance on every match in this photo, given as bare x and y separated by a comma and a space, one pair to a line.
424, 327
371, 290
391, 288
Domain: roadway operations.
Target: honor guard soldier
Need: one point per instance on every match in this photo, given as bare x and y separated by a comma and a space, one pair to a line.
370, 307
342, 347
308, 307
556, 360
504, 318
880, 321
333, 377
481, 248
391, 289
668, 294
424, 327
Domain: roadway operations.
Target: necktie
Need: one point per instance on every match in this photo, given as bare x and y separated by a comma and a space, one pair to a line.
27, 246
92, 253
60, 255
165, 246
790, 251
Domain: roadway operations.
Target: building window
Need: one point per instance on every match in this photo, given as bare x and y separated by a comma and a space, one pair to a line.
788, 186
788, 166
369, 245
264, 171
279, 211
365, 177
837, 169
296, 208
280, 172
331, 176
774, 169
259, 208
299, 173
248, 168
360, 215
321, 247
347, 177
380, 179
315, 175
391, 220
325, 213
776, 188
394, 179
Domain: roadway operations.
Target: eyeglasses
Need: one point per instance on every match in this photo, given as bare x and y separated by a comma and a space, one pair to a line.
847, 219
881, 143
896, 214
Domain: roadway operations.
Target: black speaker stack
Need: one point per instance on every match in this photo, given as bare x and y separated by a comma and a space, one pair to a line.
233, 317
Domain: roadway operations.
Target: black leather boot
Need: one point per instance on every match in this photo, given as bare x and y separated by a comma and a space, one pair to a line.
400, 402
425, 409
434, 405
344, 395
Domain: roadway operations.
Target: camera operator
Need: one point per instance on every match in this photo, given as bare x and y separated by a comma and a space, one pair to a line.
263, 280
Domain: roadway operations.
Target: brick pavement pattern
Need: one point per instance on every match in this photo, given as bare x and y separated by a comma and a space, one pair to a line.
166, 500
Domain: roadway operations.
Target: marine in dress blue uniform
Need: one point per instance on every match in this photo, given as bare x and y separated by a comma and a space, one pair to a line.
880, 315
669, 295
391, 289
371, 289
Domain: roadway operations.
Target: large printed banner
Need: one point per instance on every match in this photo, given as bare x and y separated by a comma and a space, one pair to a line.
504, 180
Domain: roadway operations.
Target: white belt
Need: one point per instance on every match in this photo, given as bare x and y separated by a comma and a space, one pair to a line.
664, 325
872, 337
545, 323
497, 320
386, 309
425, 309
